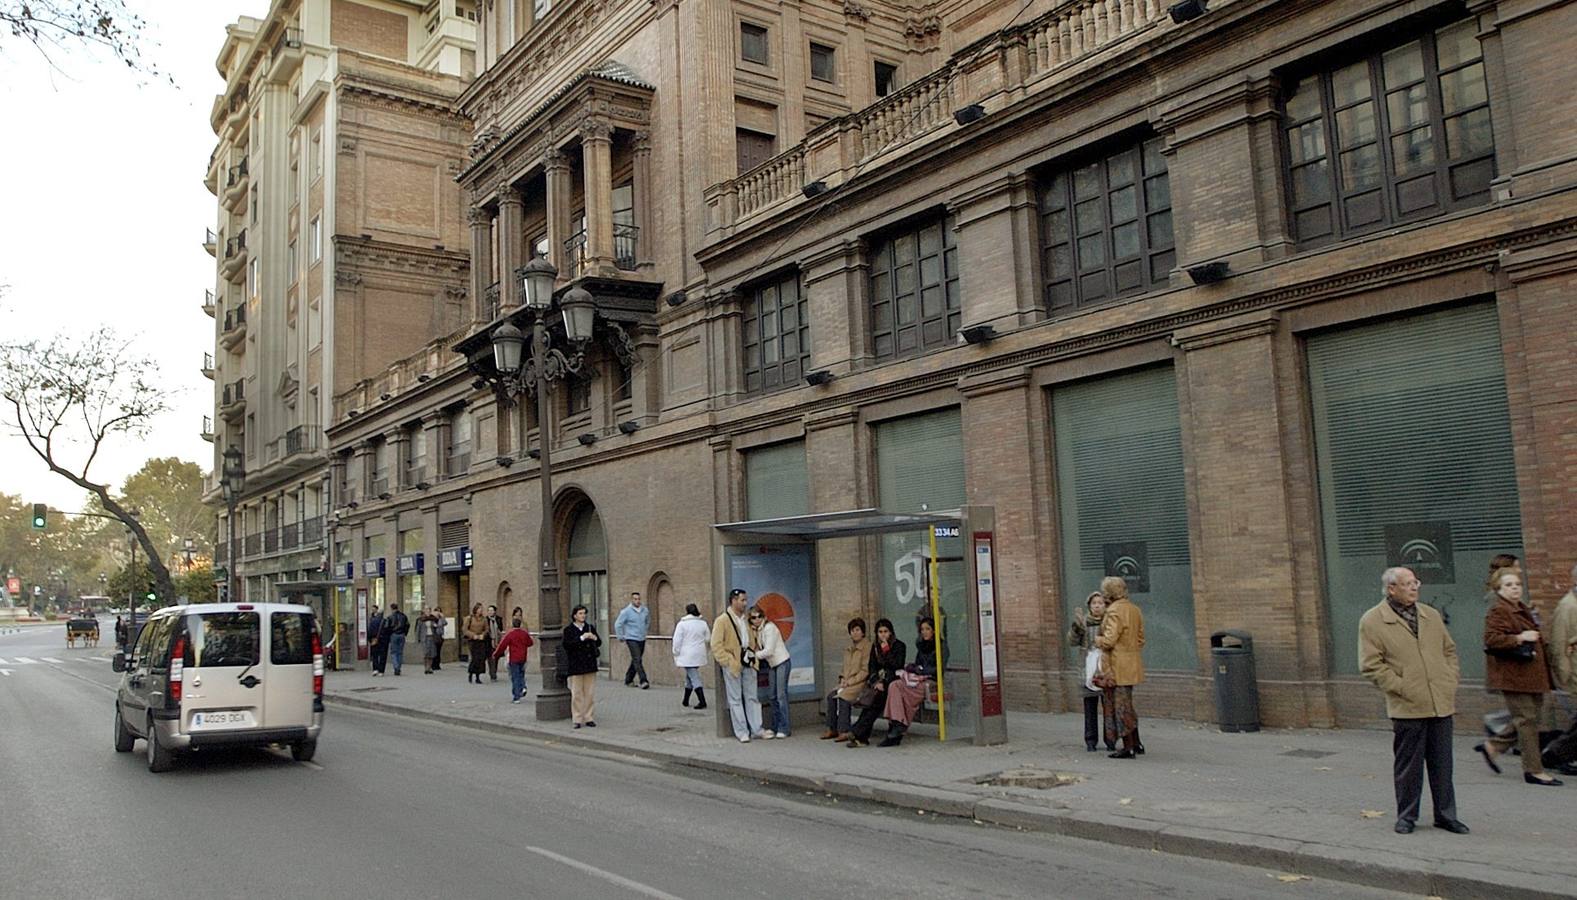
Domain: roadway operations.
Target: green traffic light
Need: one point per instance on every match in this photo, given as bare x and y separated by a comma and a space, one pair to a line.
40, 516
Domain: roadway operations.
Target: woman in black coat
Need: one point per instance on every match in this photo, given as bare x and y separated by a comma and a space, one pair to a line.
581, 643
888, 654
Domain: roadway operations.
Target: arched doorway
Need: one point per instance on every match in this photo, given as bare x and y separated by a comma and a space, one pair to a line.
586, 571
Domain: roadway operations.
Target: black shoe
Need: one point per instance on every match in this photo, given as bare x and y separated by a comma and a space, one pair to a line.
1139, 750
1567, 769
591, 724
577, 724
1451, 825
646, 685
1404, 827
1547, 781
892, 740
1090, 747
686, 701
1121, 754
1488, 760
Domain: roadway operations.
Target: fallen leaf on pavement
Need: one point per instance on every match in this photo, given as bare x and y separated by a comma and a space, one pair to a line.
1371, 814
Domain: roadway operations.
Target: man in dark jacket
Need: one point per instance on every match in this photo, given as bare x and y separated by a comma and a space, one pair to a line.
396, 626
495, 633
377, 644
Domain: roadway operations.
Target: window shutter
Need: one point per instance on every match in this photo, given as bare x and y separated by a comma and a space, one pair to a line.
920, 462
776, 481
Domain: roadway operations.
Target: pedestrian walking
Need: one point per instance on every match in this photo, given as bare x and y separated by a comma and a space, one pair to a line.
1561, 753
1085, 629
908, 692
851, 682
1518, 665
1405, 650
735, 653
475, 631
440, 631
377, 644
426, 639
495, 633
580, 666
691, 637
396, 626
775, 660
1122, 640
516, 641
888, 656
120, 632
631, 627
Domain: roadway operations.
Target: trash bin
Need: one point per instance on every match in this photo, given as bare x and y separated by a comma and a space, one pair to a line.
1237, 691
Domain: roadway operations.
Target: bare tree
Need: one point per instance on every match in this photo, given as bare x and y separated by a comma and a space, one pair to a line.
68, 397
54, 26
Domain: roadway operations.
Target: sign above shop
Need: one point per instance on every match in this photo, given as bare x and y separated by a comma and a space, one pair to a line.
373, 568
410, 564
454, 559
346, 570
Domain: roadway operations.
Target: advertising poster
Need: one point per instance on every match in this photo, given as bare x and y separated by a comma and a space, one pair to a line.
362, 649
780, 580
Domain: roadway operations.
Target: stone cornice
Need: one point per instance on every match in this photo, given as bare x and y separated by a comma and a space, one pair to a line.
362, 253
1226, 331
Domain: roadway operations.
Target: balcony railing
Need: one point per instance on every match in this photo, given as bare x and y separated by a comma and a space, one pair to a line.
235, 318
458, 464
626, 238
253, 544
415, 475
380, 487
271, 540
302, 439
311, 530
234, 392
210, 242
490, 302
208, 429
208, 301
289, 536
236, 245
236, 173
222, 550
993, 71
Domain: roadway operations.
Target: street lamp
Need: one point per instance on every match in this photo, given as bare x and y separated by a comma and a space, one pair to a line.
233, 479
547, 364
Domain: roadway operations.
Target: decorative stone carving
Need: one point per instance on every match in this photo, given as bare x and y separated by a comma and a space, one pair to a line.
346, 278
554, 160
478, 216
923, 33
855, 11
508, 193
594, 128
641, 142
620, 342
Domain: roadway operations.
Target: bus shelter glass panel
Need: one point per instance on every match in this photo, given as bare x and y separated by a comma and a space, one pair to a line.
1122, 503
920, 468
1412, 438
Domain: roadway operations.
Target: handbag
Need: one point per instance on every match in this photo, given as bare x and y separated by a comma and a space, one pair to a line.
1521, 653
1092, 668
867, 697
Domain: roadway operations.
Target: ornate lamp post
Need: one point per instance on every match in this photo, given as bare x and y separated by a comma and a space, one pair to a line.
547, 364
234, 480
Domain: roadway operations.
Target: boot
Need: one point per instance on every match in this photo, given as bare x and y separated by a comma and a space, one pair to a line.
894, 736
1138, 745
687, 692
700, 698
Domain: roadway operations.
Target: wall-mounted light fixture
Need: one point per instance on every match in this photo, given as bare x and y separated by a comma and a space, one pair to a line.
818, 378
814, 189
974, 112
586, 438
1188, 10
1210, 272
978, 334
629, 427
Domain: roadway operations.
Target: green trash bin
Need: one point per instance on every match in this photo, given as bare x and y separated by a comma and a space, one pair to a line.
1237, 690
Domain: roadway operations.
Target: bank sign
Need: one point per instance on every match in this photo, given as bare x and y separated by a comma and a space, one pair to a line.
1424, 547
454, 559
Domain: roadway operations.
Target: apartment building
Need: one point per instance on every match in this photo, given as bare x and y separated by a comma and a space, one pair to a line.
339, 247
1244, 301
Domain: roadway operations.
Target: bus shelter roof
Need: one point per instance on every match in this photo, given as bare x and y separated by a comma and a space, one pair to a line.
849, 523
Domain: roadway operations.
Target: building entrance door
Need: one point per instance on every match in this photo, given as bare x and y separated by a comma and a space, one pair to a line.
587, 570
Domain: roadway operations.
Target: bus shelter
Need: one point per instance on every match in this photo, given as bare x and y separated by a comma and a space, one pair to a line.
937, 565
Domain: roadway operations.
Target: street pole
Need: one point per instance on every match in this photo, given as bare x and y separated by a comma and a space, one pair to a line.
230, 557
553, 701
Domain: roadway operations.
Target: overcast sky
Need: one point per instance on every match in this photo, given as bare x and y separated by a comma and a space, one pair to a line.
102, 219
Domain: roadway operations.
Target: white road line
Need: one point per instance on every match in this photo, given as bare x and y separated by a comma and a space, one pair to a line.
5, 672
51, 659
620, 880
100, 658
24, 661
4, 663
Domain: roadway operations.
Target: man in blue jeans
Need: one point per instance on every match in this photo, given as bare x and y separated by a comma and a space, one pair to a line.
631, 627
396, 625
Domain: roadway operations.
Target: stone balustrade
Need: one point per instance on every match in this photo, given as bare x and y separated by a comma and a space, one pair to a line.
994, 71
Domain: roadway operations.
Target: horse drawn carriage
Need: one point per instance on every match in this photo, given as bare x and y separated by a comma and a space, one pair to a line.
85, 630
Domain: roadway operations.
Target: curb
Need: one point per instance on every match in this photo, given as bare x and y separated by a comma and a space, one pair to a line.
1381, 868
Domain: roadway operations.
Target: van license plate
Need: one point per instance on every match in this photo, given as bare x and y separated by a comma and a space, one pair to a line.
229, 718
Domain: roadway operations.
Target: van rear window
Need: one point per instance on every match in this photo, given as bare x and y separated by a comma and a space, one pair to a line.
216, 640
290, 641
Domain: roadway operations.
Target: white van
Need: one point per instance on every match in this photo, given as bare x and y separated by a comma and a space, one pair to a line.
222, 675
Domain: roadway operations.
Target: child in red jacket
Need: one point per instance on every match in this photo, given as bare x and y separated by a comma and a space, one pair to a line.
516, 640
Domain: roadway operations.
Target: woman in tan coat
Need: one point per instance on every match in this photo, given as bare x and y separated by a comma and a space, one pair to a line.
476, 639
1516, 664
1122, 639
851, 681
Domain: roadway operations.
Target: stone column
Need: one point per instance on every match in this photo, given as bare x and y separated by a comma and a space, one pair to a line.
596, 137
481, 222
835, 285
395, 440
511, 241
641, 154
361, 488
434, 425
556, 176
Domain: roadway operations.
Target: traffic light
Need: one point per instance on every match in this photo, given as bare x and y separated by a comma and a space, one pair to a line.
152, 597
40, 516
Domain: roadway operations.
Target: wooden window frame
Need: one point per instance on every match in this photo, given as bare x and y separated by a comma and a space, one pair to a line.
766, 43
932, 330
762, 328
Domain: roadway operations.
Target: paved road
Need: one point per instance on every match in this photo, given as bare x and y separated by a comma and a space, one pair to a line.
396, 809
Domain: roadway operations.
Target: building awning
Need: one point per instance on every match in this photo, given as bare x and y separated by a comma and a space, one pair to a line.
849, 523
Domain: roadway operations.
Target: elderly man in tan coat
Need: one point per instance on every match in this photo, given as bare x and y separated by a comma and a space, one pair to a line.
1406, 651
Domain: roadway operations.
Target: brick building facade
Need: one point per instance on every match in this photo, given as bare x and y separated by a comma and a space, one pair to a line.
1245, 308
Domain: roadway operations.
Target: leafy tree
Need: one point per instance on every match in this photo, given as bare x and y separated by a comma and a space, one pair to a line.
68, 396
63, 559
167, 493
197, 585
57, 26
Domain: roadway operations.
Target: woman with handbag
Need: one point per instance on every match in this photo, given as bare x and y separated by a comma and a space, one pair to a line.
1122, 640
1086, 628
775, 667
1517, 665
476, 639
887, 659
907, 693
581, 659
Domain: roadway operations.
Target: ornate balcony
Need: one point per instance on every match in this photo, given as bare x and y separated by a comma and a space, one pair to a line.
208, 429
208, 366
208, 303
211, 243
232, 401
234, 327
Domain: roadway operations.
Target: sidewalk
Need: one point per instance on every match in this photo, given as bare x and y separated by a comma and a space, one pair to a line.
1309, 802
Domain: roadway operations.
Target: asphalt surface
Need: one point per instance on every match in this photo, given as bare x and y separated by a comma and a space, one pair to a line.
393, 808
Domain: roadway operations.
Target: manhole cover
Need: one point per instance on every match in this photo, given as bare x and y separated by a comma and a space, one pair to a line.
1039, 779
1310, 754
366, 689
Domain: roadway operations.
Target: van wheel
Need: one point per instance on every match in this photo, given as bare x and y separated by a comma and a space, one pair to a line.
159, 756
303, 751
123, 738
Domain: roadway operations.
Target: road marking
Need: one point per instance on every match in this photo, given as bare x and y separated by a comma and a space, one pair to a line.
5, 672
24, 661
50, 659
4, 663
620, 880
100, 659
312, 765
